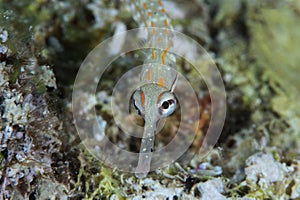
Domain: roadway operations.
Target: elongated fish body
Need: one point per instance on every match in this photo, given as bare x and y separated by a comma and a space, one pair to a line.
154, 100
152, 14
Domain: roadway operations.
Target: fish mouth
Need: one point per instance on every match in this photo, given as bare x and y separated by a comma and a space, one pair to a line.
146, 150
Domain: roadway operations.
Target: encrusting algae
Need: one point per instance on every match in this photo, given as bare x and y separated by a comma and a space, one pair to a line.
256, 47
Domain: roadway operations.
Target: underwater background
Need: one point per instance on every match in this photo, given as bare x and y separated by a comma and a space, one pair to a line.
255, 45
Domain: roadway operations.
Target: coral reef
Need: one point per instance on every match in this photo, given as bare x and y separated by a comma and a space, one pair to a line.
29, 129
255, 45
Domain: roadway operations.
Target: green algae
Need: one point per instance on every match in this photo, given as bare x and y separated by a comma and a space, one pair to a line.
261, 63
275, 47
256, 48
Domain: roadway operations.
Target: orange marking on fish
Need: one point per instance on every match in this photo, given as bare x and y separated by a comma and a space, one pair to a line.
149, 14
159, 2
158, 97
163, 10
166, 23
159, 40
152, 24
142, 98
140, 12
145, 6
152, 54
160, 81
148, 75
163, 56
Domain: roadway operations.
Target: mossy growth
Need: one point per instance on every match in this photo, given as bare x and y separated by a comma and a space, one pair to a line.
255, 44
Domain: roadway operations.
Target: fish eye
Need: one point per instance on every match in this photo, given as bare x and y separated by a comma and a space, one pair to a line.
135, 103
166, 104
136, 108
